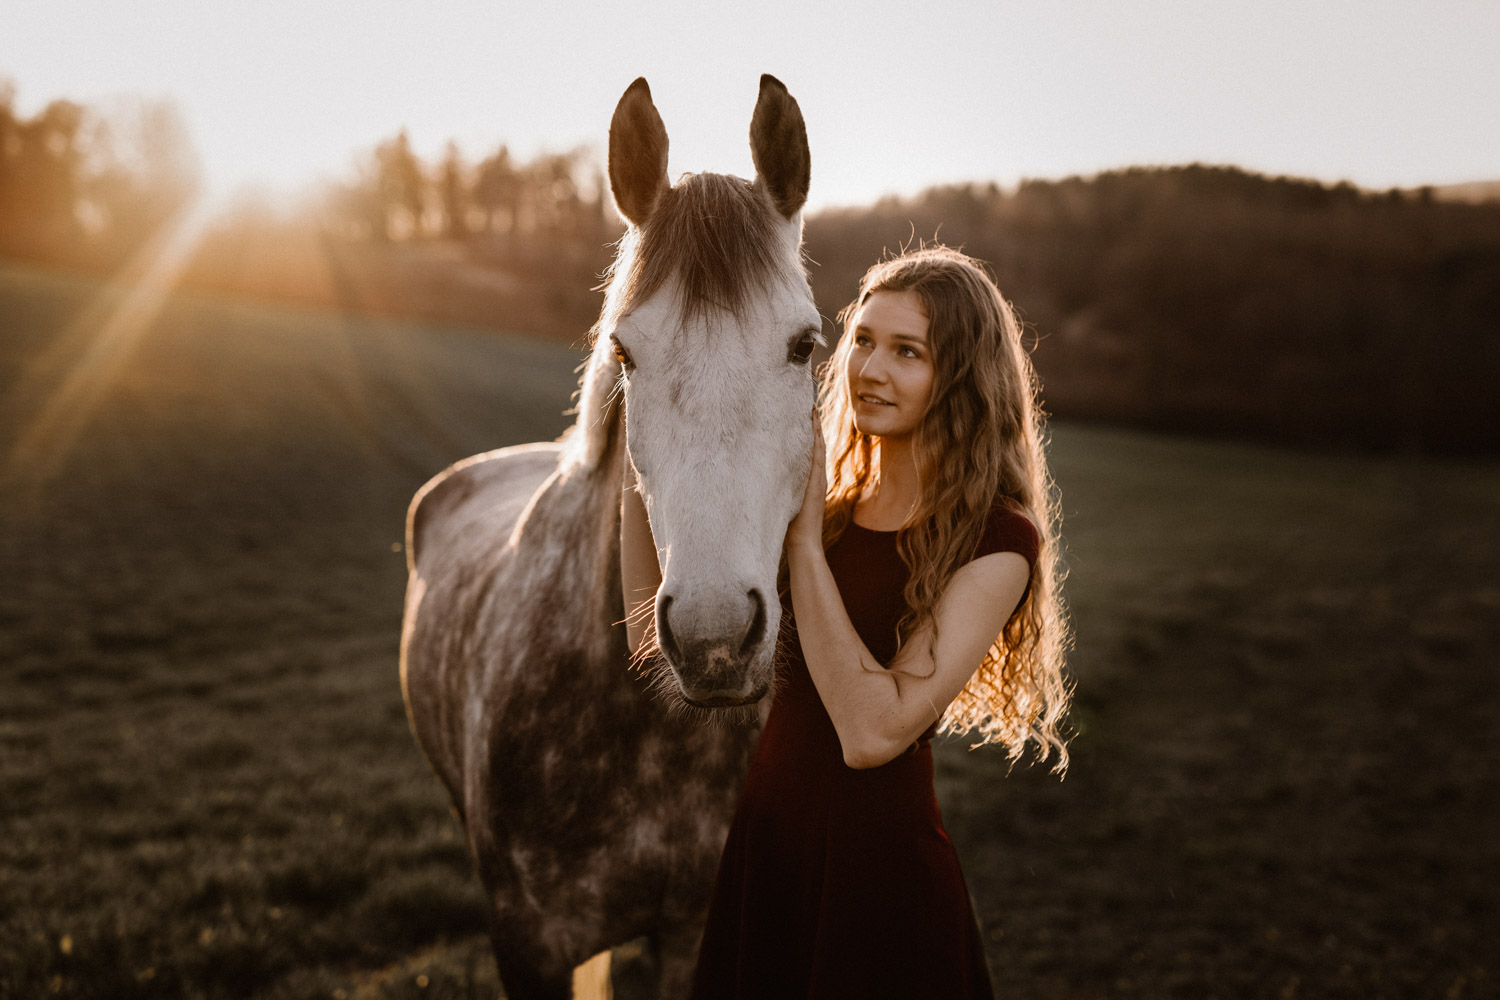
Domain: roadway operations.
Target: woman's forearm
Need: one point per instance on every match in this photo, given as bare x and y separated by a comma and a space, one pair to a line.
878, 711
640, 570
862, 698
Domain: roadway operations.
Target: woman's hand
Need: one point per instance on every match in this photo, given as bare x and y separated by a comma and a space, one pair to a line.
807, 526
640, 570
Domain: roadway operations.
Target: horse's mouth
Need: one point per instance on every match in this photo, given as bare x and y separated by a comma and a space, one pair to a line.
728, 700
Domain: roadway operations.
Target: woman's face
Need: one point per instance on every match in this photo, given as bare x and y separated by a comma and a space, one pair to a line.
889, 365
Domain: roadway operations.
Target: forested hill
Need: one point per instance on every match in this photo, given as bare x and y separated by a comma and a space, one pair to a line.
1212, 299
1198, 299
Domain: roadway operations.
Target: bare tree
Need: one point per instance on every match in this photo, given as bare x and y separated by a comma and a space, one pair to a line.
454, 194
497, 190
399, 181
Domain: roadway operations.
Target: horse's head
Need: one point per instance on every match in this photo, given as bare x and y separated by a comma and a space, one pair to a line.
708, 327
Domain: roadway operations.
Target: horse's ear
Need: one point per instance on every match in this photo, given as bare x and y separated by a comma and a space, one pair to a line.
637, 153
778, 147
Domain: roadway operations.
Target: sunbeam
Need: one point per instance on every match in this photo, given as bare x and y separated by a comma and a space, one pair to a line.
74, 377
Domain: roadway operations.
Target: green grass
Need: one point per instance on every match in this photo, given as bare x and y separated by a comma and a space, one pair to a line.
1284, 766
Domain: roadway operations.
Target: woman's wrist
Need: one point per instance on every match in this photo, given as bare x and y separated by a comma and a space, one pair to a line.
801, 544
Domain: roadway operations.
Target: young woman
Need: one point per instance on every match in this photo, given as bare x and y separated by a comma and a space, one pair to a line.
923, 596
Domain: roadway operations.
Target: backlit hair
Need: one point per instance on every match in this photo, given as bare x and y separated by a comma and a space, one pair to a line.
980, 442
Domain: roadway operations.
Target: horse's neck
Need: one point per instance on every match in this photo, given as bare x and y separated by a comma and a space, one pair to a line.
576, 523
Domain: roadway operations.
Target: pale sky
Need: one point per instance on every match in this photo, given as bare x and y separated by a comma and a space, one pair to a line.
897, 95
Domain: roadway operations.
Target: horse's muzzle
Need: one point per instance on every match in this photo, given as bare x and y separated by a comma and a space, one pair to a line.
717, 660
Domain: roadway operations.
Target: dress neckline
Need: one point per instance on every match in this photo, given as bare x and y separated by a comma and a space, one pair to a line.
872, 531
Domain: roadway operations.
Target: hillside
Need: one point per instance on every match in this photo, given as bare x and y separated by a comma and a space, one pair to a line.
1210, 300
1474, 192
1196, 299
1202, 300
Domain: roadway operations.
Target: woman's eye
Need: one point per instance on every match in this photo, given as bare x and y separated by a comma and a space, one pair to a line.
803, 348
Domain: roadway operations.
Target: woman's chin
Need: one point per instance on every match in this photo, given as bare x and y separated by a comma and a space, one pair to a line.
881, 426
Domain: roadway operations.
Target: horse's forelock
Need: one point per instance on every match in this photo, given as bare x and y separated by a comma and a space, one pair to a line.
718, 236
715, 238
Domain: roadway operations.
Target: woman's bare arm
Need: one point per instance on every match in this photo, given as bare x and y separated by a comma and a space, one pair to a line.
878, 712
640, 570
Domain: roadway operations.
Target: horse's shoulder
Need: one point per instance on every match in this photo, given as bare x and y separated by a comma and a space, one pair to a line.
502, 478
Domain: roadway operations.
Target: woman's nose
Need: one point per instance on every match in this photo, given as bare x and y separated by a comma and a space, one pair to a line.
873, 370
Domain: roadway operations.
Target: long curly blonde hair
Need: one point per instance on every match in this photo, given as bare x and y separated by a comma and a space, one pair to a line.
980, 442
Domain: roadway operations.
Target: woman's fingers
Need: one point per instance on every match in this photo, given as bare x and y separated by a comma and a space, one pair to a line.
809, 518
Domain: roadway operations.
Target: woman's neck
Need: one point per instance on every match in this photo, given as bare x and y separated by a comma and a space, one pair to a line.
894, 488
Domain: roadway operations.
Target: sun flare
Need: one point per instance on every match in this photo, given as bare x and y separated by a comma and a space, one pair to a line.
76, 374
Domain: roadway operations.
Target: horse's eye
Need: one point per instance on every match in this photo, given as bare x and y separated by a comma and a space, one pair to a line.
622, 355
802, 348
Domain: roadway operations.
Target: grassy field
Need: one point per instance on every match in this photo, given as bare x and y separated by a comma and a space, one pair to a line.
1285, 769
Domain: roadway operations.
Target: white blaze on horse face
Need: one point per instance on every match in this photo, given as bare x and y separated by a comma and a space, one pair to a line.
718, 425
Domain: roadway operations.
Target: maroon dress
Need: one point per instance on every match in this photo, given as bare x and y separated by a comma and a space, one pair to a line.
838, 882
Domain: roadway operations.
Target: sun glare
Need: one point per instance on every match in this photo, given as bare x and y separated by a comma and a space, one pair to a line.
77, 373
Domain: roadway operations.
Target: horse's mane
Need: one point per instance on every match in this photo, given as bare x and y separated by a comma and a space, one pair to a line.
714, 238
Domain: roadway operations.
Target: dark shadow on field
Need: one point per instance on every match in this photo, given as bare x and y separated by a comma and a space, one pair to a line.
1286, 763
1282, 777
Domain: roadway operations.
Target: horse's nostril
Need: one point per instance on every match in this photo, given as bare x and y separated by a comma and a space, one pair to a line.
757, 623
664, 637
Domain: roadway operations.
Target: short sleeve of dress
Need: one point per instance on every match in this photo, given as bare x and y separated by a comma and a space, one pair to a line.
1009, 530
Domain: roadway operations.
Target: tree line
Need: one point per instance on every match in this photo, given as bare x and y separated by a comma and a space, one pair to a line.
394, 195
82, 186
1191, 298
514, 242
1204, 298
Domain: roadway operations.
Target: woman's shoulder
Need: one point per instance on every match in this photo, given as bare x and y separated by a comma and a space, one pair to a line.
1009, 529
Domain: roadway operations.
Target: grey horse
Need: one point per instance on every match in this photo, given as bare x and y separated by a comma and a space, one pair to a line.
596, 792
